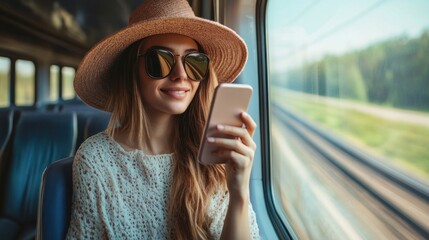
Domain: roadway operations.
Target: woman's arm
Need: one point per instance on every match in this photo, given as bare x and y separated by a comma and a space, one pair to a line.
236, 224
240, 152
87, 193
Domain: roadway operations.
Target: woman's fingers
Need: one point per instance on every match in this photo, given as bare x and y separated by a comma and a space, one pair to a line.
239, 144
236, 146
230, 144
237, 132
239, 161
249, 123
245, 134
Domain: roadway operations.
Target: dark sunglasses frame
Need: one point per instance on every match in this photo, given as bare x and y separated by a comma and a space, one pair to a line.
184, 60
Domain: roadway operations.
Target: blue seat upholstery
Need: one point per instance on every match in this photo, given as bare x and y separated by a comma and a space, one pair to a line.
6, 122
96, 123
57, 188
6, 127
55, 200
82, 119
89, 120
40, 139
76, 106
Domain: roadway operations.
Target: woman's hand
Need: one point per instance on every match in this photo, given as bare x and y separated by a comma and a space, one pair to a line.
239, 152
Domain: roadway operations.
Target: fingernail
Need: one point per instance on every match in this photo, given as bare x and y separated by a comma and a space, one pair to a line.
220, 127
244, 114
210, 139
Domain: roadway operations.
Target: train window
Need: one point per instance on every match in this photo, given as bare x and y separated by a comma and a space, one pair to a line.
349, 117
67, 80
54, 80
25, 83
4, 81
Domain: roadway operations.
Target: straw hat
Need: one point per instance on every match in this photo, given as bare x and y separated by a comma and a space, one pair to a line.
227, 51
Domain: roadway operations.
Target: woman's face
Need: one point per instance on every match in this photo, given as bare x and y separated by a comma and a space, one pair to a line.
172, 94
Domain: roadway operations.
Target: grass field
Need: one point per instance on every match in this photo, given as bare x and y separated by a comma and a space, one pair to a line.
401, 143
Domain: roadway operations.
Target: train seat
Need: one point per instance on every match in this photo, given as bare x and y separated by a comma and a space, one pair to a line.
6, 127
96, 123
89, 123
6, 122
55, 200
85, 115
40, 138
82, 120
56, 186
75, 106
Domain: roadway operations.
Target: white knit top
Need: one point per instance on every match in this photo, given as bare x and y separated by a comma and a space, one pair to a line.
120, 194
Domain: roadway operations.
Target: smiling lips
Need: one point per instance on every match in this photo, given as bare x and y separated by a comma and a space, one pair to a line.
177, 93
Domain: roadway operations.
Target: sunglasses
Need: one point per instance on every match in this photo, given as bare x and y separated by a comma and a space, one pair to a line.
160, 62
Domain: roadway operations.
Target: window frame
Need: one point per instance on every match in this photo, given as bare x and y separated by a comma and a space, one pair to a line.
283, 229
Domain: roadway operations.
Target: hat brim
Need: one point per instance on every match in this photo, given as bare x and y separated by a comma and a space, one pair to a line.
227, 52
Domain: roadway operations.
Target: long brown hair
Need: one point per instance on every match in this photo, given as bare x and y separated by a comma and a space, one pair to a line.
192, 183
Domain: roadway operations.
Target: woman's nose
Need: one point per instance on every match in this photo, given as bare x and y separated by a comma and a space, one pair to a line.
178, 72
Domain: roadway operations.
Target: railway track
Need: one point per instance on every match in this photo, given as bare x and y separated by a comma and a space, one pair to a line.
399, 200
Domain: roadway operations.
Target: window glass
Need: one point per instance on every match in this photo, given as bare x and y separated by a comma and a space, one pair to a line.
54, 79
68, 76
25, 83
349, 116
4, 81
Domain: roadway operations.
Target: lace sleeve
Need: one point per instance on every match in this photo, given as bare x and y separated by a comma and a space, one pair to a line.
88, 196
217, 211
254, 230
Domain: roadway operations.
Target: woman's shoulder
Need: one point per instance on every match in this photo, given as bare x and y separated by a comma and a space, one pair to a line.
93, 147
93, 143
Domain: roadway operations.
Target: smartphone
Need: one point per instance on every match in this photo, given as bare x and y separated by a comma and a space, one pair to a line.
229, 100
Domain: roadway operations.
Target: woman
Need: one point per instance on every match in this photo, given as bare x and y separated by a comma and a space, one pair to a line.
141, 178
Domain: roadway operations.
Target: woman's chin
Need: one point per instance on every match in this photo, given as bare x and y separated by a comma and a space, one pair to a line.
176, 110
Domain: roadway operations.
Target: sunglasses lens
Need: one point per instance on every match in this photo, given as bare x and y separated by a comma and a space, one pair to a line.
159, 63
196, 66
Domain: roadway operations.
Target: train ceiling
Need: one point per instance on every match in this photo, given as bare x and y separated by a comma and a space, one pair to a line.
86, 21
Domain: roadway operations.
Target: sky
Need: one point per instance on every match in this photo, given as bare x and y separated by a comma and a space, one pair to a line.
305, 30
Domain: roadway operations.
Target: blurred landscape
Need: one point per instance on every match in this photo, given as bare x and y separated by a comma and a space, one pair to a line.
394, 72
